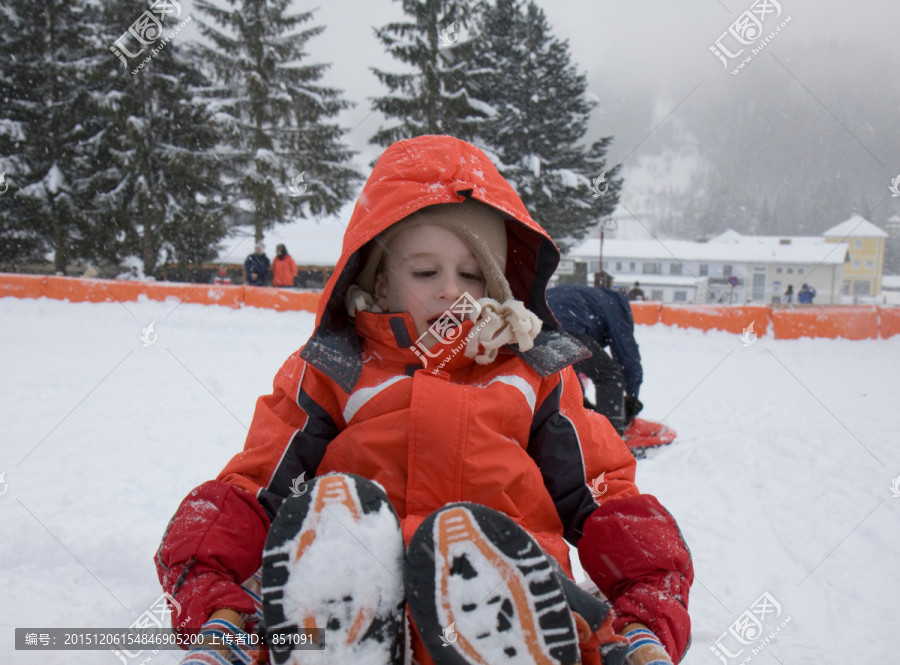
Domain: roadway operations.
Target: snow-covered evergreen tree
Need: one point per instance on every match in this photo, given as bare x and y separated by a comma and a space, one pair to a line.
49, 127
285, 157
432, 97
538, 113
159, 152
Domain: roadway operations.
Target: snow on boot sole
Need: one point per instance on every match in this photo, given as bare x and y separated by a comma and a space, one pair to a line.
333, 561
482, 592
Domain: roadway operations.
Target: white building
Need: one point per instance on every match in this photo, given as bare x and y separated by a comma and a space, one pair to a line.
729, 268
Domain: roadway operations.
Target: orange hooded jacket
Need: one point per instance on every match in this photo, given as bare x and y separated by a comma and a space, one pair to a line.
512, 435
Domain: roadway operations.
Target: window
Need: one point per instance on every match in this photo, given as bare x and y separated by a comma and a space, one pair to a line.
681, 296
857, 244
726, 270
656, 294
779, 270
704, 269
799, 271
856, 264
870, 265
631, 266
790, 271
861, 287
846, 288
618, 266
652, 268
759, 284
674, 268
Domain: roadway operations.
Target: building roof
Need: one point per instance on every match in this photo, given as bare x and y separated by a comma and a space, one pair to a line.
751, 249
855, 227
628, 279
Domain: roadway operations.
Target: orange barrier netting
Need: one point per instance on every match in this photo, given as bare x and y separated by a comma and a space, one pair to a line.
850, 322
75, 289
646, 313
716, 317
888, 321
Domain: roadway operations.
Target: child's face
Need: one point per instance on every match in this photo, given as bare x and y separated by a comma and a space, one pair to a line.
426, 268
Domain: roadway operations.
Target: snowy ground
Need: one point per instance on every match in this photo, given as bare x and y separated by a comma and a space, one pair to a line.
780, 477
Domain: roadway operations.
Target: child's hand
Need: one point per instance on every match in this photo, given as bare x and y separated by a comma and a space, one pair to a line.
223, 642
644, 647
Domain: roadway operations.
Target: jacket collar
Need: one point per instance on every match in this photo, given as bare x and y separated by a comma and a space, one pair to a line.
339, 354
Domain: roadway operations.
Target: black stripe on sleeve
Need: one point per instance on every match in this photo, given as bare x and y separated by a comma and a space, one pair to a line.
556, 449
302, 455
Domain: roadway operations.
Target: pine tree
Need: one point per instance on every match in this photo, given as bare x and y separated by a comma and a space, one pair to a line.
165, 186
538, 115
49, 129
275, 113
434, 97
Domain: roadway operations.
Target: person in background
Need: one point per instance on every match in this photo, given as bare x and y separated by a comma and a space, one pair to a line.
806, 294
256, 267
222, 275
788, 296
284, 269
636, 292
602, 318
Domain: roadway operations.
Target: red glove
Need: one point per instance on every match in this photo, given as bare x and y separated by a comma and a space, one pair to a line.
213, 544
633, 551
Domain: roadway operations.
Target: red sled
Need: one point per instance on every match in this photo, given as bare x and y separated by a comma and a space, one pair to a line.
647, 434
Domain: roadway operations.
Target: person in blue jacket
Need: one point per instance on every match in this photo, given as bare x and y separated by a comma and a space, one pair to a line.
256, 267
806, 294
600, 318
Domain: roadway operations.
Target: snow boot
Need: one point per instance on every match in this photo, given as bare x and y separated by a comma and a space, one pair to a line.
482, 592
332, 581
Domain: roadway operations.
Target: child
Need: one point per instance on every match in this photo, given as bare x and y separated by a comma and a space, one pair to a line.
437, 371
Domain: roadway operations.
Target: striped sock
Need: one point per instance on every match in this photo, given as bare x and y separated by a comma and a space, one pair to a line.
645, 648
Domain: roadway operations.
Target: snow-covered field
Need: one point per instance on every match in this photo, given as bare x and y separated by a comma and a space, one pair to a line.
780, 478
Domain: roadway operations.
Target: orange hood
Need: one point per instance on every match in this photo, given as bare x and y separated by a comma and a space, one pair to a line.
428, 170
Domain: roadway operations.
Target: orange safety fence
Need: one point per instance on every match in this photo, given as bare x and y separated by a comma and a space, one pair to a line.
716, 317
76, 289
646, 313
888, 321
850, 322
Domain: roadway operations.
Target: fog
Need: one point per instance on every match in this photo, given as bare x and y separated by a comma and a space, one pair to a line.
800, 138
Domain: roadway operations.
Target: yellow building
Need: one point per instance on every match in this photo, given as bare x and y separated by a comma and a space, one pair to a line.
865, 256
